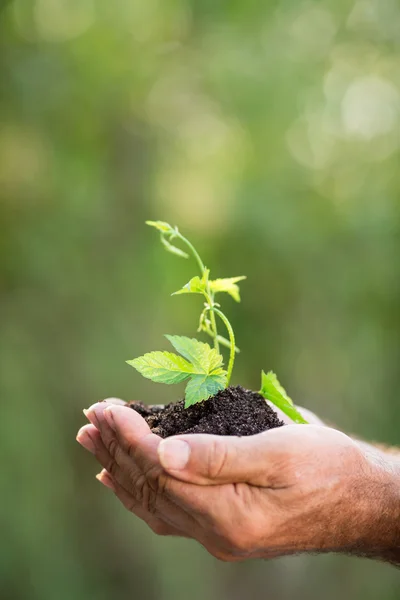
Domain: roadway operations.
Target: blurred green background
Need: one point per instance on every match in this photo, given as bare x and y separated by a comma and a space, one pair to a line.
270, 133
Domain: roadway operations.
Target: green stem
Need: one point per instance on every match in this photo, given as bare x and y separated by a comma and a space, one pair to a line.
193, 251
208, 295
221, 340
210, 300
232, 340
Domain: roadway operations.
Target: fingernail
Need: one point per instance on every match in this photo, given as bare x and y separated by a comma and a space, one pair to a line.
109, 417
90, 414
105, 479
86, 441
174, 454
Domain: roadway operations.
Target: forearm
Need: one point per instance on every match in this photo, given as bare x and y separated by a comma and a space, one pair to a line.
382, 510
381, 539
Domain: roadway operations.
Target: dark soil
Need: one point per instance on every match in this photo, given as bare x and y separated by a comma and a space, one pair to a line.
233, 411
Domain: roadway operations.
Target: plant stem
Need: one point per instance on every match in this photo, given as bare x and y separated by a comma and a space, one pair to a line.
210, 300
193, 251
208, 295
221, 340
232, 346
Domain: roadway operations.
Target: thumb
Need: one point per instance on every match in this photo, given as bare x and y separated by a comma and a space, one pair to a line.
213, 460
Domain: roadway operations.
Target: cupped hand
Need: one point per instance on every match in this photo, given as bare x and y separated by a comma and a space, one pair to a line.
292, 489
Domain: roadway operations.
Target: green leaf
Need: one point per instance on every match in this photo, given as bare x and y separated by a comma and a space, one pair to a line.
161, 226
162, 367
201, 387
272, 390
195, 285
200, 363
167, 230
204, 358
227, 285
173, 249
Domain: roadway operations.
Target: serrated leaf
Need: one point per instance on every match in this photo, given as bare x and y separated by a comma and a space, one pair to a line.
162, 367
272, 390
173, 249
204, 358
201, 387
204, 368
228, 285
161, 226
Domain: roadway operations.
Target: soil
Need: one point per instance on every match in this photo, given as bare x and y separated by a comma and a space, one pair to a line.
233, 411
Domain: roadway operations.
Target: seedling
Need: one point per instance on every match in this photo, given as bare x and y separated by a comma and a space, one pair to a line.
201, 365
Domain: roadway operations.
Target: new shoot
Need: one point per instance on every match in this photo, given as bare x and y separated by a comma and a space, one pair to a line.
198, 363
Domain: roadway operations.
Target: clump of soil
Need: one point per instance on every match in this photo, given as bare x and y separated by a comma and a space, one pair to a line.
233, 411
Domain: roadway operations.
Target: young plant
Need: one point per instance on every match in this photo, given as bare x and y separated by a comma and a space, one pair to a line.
199, 364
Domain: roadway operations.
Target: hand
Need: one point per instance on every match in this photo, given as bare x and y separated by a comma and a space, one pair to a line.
288, 490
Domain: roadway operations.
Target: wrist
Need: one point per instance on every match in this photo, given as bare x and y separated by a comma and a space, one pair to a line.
381, 506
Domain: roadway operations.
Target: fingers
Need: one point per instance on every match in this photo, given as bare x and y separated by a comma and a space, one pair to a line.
127, 437
128, 422
200, 459
91, 439
136, 453
119, 459
128, 452
157, 524
88, 437
132, 432
203, 459
208, 459
114, 401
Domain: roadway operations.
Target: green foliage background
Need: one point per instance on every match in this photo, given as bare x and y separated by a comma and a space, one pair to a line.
270, 132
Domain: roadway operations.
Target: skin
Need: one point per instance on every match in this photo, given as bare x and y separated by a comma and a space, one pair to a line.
299, 488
